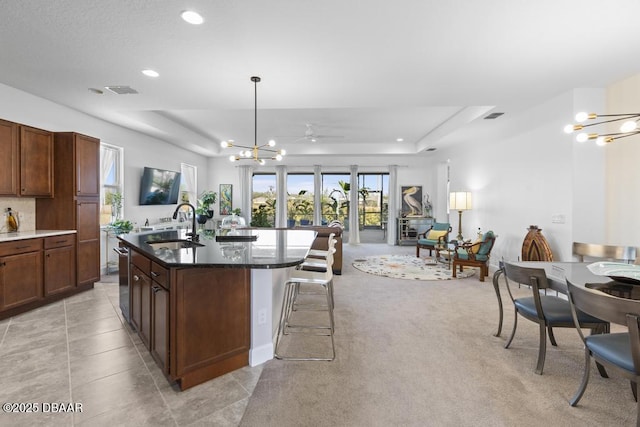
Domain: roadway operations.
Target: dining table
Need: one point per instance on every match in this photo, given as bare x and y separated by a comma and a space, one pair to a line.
557, 275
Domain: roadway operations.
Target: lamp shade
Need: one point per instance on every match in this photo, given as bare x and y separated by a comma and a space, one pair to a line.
460, 200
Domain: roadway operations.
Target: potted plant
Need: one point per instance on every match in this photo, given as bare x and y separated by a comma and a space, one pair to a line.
304, 207
205, 203
121, 226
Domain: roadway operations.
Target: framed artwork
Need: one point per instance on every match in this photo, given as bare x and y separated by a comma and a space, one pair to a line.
411, 200
226, 199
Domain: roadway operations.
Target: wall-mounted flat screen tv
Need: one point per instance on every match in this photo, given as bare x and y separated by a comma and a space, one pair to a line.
159, 187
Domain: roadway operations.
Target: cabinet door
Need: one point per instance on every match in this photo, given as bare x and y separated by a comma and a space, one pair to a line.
9, 158
160, 326
87, 161
88, 235
141, 304
36, 162
59, 270
20, 279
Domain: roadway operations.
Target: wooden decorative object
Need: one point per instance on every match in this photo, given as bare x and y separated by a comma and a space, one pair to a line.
535, 246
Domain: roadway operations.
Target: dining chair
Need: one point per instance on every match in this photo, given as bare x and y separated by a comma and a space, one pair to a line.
619, 352
546, 310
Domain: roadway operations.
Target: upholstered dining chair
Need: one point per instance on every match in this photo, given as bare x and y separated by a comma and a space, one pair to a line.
546, 310
474, 254
437, 234
619, 352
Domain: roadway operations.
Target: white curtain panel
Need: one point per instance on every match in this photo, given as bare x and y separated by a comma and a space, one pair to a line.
317, 195
354, 228
281, 196
246, 174
392, 208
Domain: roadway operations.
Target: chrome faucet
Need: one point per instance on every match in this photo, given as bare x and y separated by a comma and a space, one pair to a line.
193, 234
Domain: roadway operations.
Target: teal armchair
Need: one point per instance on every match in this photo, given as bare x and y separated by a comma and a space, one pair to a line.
437, 234
474, 254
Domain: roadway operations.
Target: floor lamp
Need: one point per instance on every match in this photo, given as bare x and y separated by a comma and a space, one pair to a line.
460, 201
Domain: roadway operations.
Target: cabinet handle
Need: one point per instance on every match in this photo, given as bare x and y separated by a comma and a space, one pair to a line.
154, 274
22, 247
155, 289
136, 278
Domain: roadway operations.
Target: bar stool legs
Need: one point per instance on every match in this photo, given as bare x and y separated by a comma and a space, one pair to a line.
286, 328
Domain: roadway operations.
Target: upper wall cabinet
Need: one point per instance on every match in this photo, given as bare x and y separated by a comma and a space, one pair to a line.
26, 163
9, 159
36, 162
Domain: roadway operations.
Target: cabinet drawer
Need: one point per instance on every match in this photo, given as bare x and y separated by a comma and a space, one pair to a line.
20, 246
142, 262
59, 241
160, 275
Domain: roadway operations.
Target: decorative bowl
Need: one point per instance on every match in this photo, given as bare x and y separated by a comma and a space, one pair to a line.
618, 271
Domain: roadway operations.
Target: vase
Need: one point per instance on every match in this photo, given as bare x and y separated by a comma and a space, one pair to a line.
202, 219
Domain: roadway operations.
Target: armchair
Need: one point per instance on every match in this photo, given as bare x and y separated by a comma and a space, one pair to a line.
474, 254
437, 234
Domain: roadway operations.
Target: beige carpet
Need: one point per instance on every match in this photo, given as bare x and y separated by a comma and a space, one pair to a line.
415, 355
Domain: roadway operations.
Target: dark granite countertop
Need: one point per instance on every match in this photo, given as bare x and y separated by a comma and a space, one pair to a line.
272, 248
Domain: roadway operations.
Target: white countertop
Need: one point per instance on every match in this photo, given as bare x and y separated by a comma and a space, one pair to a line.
32, 234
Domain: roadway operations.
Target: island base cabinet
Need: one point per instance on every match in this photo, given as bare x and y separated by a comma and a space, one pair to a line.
160, 327
211, 333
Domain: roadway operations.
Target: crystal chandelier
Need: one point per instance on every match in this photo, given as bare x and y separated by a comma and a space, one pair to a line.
629, 126
257, 152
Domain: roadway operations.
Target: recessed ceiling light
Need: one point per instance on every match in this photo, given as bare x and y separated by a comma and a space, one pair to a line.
150, 73
192, 17
399, 139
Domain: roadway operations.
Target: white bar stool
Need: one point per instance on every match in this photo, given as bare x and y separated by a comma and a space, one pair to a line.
298, 277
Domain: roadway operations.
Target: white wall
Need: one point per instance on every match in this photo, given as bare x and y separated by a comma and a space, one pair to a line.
623, 169
139, 150
521, 172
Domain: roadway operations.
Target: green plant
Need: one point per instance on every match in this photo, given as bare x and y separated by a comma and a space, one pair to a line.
205, 201
236, 211
121, 226
260, 217
115, 200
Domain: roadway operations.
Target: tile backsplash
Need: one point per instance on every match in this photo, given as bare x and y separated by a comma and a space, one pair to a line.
24, 207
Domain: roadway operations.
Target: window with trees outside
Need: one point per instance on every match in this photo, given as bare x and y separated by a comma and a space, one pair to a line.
111, 184
300, 193
263, 200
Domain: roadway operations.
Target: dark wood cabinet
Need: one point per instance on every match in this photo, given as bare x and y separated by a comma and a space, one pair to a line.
160, 315
76, 204
9, 165
20, 273
26, 163
59, 264
36, 162
194, 321
88, 240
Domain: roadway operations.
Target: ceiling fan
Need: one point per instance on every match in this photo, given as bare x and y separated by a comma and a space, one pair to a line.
310, 135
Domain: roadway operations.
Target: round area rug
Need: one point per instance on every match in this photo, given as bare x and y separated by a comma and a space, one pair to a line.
408, 267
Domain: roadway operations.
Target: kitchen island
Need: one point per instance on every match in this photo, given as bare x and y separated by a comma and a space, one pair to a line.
206, 308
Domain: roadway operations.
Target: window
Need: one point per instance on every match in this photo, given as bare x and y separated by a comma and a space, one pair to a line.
300, 198
373, 199
263, 199
188, 184
111, 185
335, 197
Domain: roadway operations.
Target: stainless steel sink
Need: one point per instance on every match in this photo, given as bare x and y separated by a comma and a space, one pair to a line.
173, 244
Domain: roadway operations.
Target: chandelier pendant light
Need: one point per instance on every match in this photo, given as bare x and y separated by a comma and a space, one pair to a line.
257, 152
629, 126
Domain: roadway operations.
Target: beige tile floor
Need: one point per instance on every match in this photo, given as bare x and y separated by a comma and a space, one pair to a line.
80, 350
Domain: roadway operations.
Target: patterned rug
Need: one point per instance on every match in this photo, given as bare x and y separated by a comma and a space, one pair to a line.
408, 267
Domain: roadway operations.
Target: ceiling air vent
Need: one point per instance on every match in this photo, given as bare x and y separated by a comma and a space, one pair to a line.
493, 116
121, 90
431, 149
